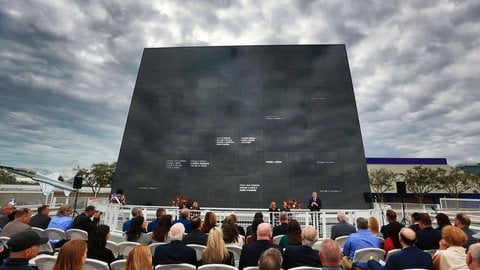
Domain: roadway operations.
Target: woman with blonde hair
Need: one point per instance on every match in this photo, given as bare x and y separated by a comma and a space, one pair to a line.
216, 251
451, 254
72, 255
209, 222
140, 258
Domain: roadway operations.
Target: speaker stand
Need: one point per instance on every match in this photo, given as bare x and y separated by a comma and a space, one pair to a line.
75, 203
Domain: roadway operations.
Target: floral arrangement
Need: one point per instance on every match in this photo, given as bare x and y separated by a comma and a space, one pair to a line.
294, 204
179, 200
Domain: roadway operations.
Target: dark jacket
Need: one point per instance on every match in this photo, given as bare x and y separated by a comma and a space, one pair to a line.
16, 264
251, 252
342, 228
173, 253
280, 229
410, 257
83, 222
300, 255
102, 254
428, 238
40, 221
196, 237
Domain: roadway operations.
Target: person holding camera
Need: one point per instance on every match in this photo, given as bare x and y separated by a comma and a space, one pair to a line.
85, 222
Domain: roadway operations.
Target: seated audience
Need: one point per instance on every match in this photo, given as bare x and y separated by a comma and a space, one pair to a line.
23, 247
283, 226
363, 238
216, 251
137, 231
19, 224
391, 218
42, 218
152, 225
233, 218
271, 259
136, 211
410, 257
176, 251
342, 227
257, 218
303, 255
414, 222
462, 221
392, 241
7, 214
251, 252
209, 222
330, 255
473, 257
196, 236
185, 220
427, 237
61, 221
374, 227
97, 244
293, 236
451, 253
72, 255
230, 234
442, 221
87, 220
140, 258
160, 234
253, 237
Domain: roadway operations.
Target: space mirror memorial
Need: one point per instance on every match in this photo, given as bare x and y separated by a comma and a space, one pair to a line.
241, 126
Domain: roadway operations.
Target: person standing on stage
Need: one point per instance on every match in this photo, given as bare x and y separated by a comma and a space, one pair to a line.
314, 203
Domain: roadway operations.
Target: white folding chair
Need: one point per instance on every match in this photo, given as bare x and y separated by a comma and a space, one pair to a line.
77, 234
237, 251
198, 250
341, 240
46, 248
55, 234
124, 248
316, 245
113, 246
392, 252
251, 268
4, 240
118, 264
305, 268
39, 231
180, 266
153, 246
44, 262
215, 266
365, 254
93, 264
277, 238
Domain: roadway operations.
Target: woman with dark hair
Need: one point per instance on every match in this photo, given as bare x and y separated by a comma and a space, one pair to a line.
161, 231
258, 216
97, 242
442, 221
293, 236
137, 231
392, 241
230, 234
209, 222
253, 237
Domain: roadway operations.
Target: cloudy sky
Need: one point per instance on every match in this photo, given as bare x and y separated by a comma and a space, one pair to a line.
68, 69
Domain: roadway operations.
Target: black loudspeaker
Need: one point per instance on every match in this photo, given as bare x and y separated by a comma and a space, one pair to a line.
401, 188
77, 182
367, 196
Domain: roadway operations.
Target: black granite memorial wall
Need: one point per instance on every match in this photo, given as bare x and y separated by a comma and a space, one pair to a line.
240, 126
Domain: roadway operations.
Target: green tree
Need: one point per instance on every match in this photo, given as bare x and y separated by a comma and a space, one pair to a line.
474, 180
454, 181
6, 177
420, 180
381, 181
99, 176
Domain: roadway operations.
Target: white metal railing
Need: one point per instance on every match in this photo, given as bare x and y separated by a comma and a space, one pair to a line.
459, 204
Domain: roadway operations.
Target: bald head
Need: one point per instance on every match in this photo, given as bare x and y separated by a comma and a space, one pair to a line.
330, 253
264, 231
309, 236
176, 231
341, 216
407, 237
473, 256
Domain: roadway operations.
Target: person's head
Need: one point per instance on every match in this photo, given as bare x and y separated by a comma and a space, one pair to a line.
283, 217
309, 236
256, 221
64, 210
264, 231
284, 204
25, 244
473, 256
43, 210
233, 218
139, 258
230, 232
162, 229
185, 213
258, 215
137, 226
195, 205
407, 237
273, 205
161, 212
294, 232
330, 253
8, 209
99, 235
391, 216
341, 216
72, 255
362, 223
137, 211
176, 232
271, 259
424, 220
462, 220
210, 220
23, 215
196, 222
90, 210
215, 251
314, 194
442, 220
373, 225
454, 236
414, 217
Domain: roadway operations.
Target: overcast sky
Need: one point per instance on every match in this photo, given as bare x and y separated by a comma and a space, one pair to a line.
68, 69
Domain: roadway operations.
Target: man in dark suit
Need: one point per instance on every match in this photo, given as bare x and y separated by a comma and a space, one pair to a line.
314, 203
84, 220
410, 257
342, 227
302, 255
427, 237
41, 219
196, 236
462, 221
175, 252
252, 252
282, 228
